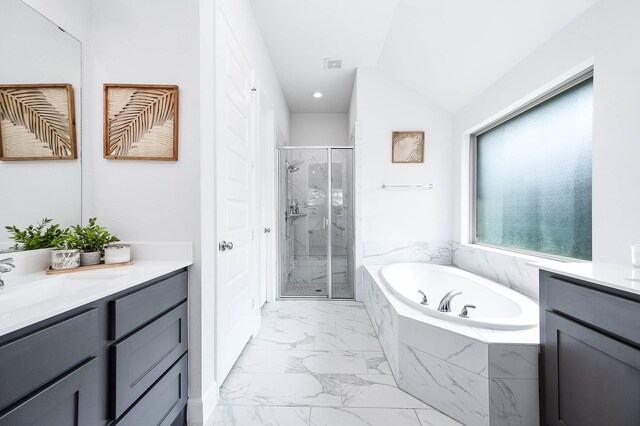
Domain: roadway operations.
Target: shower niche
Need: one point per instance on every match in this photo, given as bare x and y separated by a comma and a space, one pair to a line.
316, 222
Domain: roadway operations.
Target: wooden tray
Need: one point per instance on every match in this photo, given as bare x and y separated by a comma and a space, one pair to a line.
86, 268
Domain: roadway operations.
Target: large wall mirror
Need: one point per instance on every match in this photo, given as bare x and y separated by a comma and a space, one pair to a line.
40, 162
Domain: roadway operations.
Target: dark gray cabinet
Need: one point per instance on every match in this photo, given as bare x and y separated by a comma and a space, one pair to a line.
118, 360
141, 359
590, 354
71, 400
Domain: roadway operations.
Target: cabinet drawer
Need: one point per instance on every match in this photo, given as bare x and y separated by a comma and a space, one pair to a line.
164, 401
72, 400
33, 360
140, 359
133, 310
611, 313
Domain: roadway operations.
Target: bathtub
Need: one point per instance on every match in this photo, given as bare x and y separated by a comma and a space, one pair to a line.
481, 370
496, 307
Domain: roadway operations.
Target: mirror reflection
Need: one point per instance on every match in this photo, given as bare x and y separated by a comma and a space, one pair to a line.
40, 120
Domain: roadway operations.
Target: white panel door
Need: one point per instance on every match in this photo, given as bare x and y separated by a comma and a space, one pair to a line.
234, 198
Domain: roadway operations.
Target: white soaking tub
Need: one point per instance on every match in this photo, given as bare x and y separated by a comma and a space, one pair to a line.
496, 307
481, 370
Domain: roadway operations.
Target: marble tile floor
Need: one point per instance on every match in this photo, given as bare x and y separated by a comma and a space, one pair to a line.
317, 363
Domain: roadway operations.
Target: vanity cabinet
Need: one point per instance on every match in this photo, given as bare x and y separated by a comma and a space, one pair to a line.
119, 360
590, 353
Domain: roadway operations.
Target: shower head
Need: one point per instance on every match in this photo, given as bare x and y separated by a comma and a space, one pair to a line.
293, 168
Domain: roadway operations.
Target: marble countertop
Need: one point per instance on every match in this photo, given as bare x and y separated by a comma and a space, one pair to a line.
33, 297
618, 276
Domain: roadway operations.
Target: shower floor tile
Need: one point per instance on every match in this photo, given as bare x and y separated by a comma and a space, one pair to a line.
340, 290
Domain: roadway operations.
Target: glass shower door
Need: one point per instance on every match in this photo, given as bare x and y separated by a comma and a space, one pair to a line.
342, 226
304, 225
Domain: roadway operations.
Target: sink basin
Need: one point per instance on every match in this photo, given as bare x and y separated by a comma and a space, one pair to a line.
44, 292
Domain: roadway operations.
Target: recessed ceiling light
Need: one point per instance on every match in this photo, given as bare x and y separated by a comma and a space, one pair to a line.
316, 94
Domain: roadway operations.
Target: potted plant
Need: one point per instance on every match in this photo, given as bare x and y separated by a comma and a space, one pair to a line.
90, 240
66, 255
40, 236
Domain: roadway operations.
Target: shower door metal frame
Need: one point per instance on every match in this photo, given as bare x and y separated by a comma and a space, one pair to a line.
329, 149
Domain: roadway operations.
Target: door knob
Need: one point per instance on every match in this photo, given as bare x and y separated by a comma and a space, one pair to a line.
267, 230
225, 246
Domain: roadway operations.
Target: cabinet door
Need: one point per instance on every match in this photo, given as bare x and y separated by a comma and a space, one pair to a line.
70, 401
163, 402
140, 359
590, 378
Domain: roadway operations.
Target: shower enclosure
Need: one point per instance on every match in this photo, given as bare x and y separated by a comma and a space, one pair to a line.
316, 222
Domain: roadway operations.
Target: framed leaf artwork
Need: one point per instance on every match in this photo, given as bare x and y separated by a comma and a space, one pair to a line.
407, 147
37, 122
140, 122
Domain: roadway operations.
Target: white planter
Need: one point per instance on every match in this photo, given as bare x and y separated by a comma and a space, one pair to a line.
65, 259
117, 253
88, 259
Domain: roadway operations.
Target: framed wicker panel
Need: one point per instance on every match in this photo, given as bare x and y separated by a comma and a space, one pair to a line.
407, 147
37, 122
140, 122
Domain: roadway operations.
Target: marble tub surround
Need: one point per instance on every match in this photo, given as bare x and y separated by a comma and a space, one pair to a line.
510, 269
477, 376
317, 363
385, 252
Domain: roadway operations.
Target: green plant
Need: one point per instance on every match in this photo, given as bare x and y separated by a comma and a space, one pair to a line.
68, 241
88, 239
40, 236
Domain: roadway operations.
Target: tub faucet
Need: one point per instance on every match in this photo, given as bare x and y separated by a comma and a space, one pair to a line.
445, 303
6, 265
424, 300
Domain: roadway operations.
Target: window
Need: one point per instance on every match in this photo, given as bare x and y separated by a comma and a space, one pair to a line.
533, 176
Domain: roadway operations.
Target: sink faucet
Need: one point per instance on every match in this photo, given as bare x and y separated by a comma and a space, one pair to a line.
445, 303
6, 265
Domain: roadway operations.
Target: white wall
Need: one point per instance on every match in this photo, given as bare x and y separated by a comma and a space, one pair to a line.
74, 16
151, 42
315, 129
352, 113
609, 34
383, 105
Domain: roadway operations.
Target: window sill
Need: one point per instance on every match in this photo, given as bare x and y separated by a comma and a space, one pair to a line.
528, 258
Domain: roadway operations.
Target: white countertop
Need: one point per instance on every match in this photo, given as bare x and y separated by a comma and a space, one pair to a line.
27, 299
618, 276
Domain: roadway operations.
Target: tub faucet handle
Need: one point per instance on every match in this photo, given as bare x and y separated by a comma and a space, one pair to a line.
424, 300
465, 313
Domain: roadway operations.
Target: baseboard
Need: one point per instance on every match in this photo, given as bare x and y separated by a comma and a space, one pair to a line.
200, 410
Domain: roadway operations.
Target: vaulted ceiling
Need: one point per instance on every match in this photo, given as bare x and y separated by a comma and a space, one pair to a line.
448, 51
